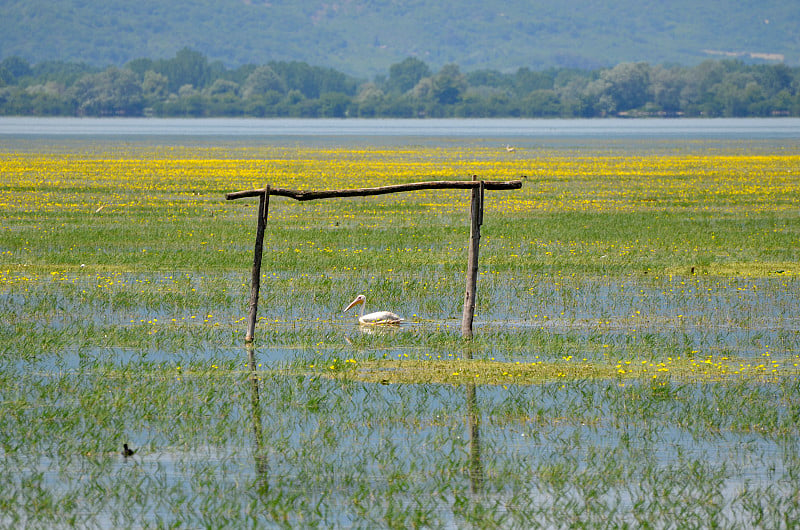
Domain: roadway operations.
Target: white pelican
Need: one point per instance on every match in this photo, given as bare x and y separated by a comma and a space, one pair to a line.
509, 148
378, 317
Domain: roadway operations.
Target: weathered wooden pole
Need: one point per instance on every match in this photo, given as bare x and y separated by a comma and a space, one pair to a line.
309, 195
255, 281
476, 218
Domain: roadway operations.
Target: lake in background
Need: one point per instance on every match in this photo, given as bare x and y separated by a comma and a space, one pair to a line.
732, 128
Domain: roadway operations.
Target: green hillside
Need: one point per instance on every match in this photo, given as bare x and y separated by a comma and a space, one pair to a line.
364, 37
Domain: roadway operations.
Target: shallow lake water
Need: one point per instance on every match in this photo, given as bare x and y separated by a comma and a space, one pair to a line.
353, 454
230, 436
728, 128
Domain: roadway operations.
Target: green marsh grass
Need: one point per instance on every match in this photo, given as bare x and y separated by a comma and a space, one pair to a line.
635, 360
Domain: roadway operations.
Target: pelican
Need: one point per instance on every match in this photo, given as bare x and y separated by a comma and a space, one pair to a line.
378, 317
509, 148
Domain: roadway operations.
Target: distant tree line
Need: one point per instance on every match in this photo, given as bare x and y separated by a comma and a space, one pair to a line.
190, 85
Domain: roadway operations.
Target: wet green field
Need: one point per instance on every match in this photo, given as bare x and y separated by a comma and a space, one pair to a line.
635, 357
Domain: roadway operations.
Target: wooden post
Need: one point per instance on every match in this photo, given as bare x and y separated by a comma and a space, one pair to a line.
255, 281
476, 218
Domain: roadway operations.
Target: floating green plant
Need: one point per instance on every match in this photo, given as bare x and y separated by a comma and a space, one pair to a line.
486, 372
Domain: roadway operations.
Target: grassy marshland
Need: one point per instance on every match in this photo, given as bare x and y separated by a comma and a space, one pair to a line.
635, 358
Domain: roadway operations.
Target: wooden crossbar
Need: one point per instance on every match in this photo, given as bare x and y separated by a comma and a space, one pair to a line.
308, 195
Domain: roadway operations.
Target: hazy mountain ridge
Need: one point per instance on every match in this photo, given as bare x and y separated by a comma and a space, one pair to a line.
364, 37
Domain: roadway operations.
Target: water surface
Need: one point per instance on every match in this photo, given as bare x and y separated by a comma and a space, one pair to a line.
753, 128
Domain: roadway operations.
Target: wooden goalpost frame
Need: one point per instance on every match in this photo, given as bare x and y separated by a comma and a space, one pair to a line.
476, 220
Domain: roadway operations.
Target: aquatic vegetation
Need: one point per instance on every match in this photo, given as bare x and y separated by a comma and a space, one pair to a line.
457, 371
635, 358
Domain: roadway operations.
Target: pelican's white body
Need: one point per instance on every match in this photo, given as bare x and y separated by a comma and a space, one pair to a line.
378, 317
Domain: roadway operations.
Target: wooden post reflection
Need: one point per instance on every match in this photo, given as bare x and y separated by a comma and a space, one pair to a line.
262, 476
474, 415
474, 420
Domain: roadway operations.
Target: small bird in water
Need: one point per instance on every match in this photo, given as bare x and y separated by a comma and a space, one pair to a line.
127, 451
